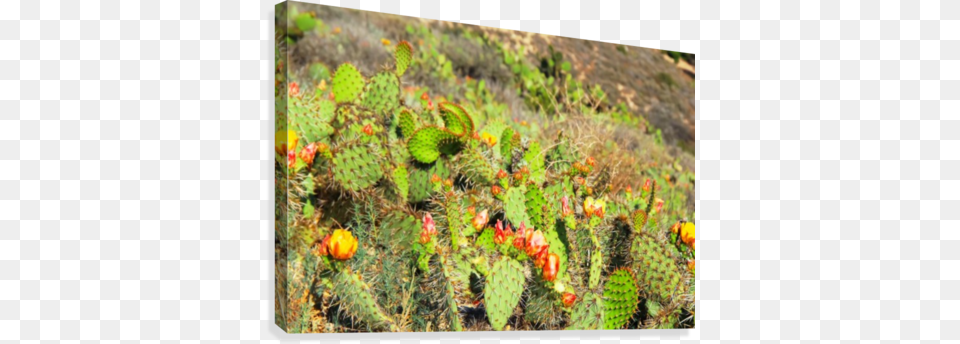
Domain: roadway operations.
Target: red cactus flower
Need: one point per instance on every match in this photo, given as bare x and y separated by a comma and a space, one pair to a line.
480, 220
322, 250
501, 174
551, 267
520, 240
565, 207
569, 298
430, 105
429, 226
658, 206
308, 153
424, 96
496, 190
294, 89
368, 129
647, 185
291, 158
500, 235
540, 258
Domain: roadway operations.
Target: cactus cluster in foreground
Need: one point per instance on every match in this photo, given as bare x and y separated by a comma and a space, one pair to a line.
394, 217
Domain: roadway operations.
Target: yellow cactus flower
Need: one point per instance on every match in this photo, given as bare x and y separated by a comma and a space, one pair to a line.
386, 42
687, 233
342, 245
285, 141
490, 140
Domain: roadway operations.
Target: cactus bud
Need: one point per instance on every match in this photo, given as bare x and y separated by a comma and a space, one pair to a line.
658, 206
472, 210
291, 158
496, 190
551, 267
434, 178
501, 174
629, 190
569, 298
424, 96
368, 129
580, 180
565, 207
588, 207
591, 161
430, 105
525, 170
676, 227
342, 245
385, 42
448, 183
500, 235
480, 220
691, 265
647, 185
322, 248
518, 176
308, 153
294, 89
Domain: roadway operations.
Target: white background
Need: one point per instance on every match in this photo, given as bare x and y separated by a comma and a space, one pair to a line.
136, 165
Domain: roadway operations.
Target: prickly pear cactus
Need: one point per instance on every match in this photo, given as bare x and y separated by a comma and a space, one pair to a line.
356, 299
427, 143
620, 299
515, 206
347, 83
356, 167
502, 291
596, 264
403, 56
382, 94
400, 179
588, 313
420, 186
656, 271
407, 123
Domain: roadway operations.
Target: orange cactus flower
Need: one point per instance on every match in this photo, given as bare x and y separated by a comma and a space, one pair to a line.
308, 153
322, 250
496, 190
385, 42
434, 178
501, 174
502, 234
691, 264
480, 220
676, 227
535, 242
525, 170
424, 96
342, 245
551, 267
629, 189
569, 298
688, 234
520, 240
368, 129
294, 89
518, 175
591, 161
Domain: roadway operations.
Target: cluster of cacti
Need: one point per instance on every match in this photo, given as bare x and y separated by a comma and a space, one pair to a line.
394, 217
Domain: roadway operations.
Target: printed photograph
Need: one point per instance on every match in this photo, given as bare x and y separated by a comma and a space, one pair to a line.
434, 176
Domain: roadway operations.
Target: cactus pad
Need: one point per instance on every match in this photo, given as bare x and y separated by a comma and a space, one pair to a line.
596, 265
620, 299
515, 207
400, 179
356, 167
356, 299
502, 291
588, 314
347, 83
426, 144
655, 269
403, 56
420, 186
456, 119
313, 126
535, 204
407, 123
382, 94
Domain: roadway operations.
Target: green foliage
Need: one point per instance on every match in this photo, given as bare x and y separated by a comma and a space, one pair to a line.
420, 186
502, 291
514, 206
656, 271
382, 94
403, 56
400, 179
588, 313
356, 167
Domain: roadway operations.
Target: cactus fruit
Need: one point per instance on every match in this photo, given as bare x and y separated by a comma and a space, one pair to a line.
620, 299
356, 167
347, 83
502, 291
382, 94
356, 299
656, 271
403, 55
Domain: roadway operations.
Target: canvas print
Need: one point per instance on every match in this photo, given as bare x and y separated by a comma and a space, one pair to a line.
437, 176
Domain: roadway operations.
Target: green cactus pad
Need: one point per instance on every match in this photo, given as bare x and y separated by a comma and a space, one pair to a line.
502, 291
656, 271
587, 314
403, 55
506, 145
542, 305
535, 161
620, 299
356, 167
357, 300
514, 206
476, 166
534, 204
347, 83
400, 179
407, 123
313, 126
382, 94
426, 144
456, 118
485, 240
596, 267
454, 221
420, 186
